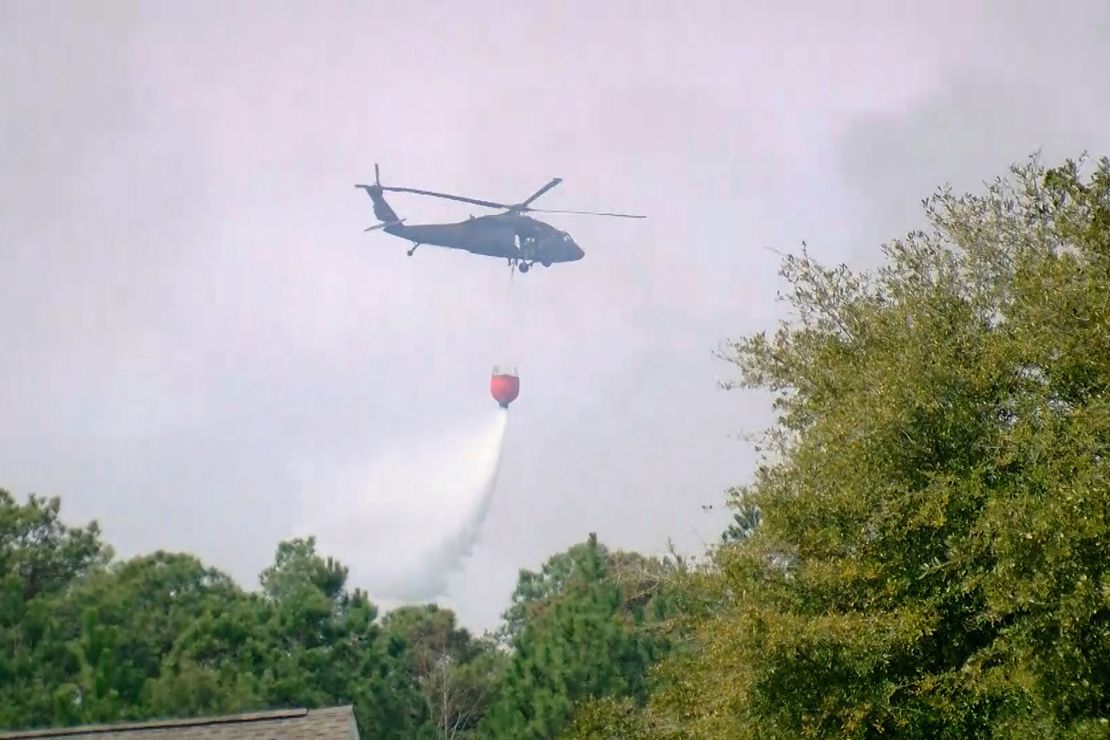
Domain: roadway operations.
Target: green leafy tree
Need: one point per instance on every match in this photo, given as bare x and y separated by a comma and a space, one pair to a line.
458, 674
580, 632
608, 718
297, 568
85, 640
131, 614
745, 518
931, 559
306, 642
41, 560
642, 582
537, 590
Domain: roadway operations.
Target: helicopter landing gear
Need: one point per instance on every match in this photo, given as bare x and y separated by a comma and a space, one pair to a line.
516, 263
410, 251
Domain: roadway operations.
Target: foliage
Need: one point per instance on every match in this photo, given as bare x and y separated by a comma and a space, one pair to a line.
536, 591
85, 640
458, 675
607, 718
40, 558
746, 517
931, 555
581, 630
305, 641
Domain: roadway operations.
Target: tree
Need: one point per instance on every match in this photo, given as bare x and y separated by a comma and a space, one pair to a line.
458, 674
305, 641
931, 556
86, 640
745, 519
130, 615
297, 567
536, 590
580, 632
41, 559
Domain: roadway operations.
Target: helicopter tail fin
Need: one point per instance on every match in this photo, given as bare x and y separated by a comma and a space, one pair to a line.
382, 210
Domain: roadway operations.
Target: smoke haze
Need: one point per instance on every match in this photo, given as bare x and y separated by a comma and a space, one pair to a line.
197, 333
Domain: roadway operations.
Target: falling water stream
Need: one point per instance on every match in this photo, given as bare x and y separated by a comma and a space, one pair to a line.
407, 518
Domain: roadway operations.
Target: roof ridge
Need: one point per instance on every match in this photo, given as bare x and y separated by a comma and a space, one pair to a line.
246, 717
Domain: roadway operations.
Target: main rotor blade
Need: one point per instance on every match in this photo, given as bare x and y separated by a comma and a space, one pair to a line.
554, 181
587, 213
519, 207
461, 199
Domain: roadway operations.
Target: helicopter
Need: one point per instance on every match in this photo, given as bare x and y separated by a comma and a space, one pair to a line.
521, 240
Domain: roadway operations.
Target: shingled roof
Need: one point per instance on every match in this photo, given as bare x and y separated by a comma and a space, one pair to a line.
332, 723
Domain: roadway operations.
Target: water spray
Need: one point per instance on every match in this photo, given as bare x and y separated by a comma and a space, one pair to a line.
408, 517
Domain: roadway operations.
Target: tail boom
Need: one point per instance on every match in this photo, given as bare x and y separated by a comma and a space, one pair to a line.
382, 211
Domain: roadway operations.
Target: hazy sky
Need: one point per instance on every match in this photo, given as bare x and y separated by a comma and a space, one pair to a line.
191, 314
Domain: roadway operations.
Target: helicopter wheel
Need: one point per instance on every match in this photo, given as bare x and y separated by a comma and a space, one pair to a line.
546, 263
524, 266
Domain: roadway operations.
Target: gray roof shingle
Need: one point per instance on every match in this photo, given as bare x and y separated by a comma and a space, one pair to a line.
332, 723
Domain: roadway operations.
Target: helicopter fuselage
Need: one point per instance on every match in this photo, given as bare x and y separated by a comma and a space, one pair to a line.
508, 236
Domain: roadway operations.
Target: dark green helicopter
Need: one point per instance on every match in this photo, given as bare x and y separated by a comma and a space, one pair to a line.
512, 236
